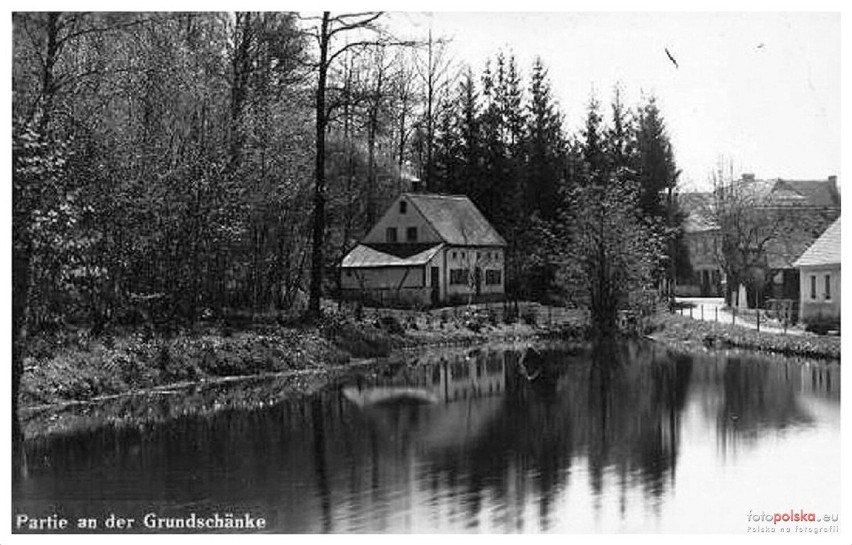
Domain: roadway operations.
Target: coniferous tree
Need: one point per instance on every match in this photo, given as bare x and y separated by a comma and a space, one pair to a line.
493, 149
468, 127
593, 147
657, 176
657, 172
545, 147
621, 140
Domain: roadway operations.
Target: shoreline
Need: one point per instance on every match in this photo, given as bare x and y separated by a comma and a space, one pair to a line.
320, 362
75, 371
682, 333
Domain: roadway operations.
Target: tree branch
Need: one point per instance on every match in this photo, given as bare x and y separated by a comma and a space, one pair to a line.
368, 18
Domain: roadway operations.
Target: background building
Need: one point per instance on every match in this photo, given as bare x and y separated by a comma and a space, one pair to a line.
819, 273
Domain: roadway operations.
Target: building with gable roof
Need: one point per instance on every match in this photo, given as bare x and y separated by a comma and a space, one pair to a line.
427, 249
797, 210
819, 273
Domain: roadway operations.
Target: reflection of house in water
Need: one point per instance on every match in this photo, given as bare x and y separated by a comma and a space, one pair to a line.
445, 382
745, 397
455, 401
475, 378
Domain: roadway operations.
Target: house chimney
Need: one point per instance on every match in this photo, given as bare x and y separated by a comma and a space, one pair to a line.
408, 180
833, 181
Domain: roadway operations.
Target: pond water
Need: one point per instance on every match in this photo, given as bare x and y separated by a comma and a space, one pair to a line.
502, 439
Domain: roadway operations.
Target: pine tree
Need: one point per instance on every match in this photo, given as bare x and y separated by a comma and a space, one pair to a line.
656, 167
447, 172
545, 147
468, 129
593, 147
621, 140
657, 176
493, 150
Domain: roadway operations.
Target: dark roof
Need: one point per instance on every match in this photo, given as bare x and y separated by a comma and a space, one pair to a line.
794, 194
390, 255
826, 249
456, 219
820, 193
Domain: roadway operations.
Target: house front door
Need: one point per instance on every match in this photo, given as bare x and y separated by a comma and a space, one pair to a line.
436, 286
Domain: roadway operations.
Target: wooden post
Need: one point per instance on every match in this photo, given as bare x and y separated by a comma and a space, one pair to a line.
758, 319
702, 313
717, 314
734, 316
690, 312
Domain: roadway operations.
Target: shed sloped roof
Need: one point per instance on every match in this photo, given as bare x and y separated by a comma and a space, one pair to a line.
825, 251
456, 219
390, 255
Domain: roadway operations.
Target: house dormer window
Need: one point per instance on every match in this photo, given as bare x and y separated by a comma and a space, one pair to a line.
411, 234
390, 234
403, 207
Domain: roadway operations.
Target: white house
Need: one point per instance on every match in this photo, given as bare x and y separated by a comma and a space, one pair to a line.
427, 249
819, 277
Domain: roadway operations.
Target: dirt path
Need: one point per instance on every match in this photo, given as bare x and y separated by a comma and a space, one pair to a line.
712, 309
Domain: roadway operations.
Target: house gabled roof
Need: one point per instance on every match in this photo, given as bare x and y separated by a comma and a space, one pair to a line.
456, 219
390, 255
818, 193
824, 251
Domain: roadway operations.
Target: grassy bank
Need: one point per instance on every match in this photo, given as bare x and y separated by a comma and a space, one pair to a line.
680, 332
77, 367
71, 366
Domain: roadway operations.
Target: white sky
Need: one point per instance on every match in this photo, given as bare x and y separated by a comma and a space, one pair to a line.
759, 89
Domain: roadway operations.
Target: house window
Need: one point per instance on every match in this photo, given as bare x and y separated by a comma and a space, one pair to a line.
459, 276
493, 277
828, 287
391, 234
403, 207
455, 255
411, 234
813, 287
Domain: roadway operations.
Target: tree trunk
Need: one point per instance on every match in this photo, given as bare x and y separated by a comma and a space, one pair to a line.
21, 259
22, 246
318, 230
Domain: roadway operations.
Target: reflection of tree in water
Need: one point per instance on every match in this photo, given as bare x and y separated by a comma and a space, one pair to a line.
497, 442
635, 397
617, 406
761, 397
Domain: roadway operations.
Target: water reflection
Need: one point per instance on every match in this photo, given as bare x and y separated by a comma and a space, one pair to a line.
544, 439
